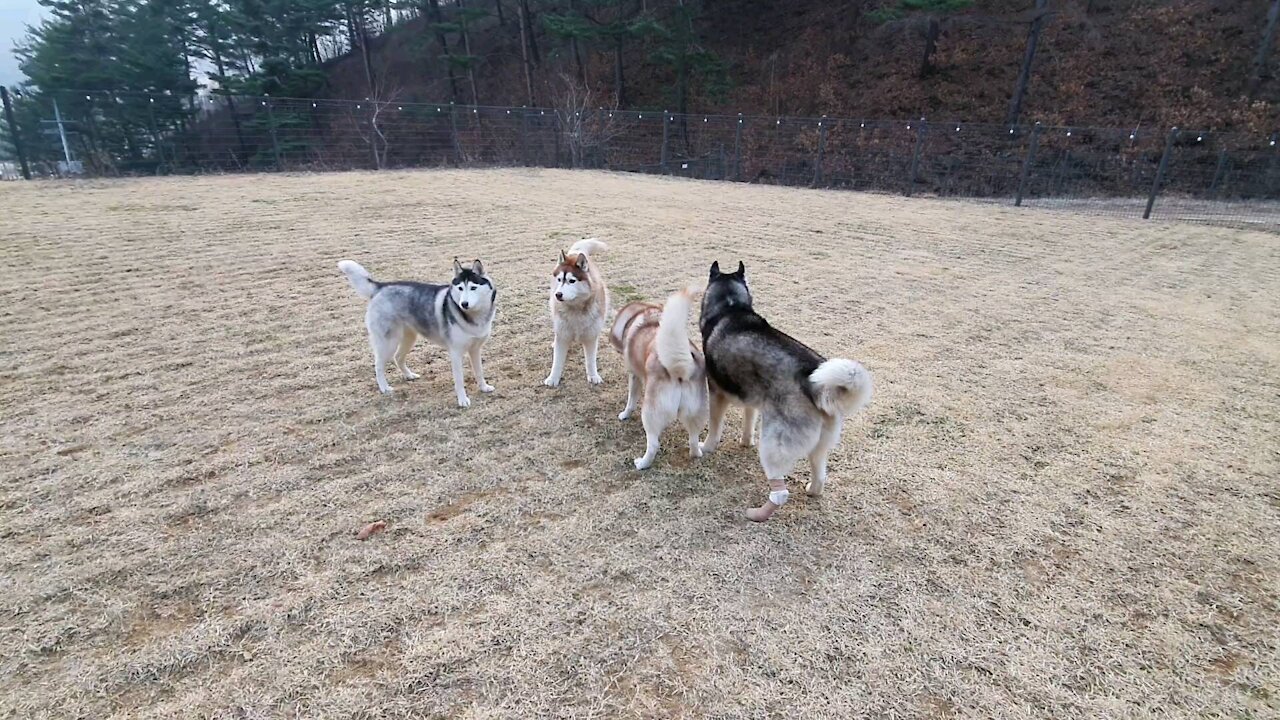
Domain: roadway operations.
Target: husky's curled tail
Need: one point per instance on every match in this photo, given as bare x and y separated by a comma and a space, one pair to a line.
841, 387
359, 278
672, 343
588, 247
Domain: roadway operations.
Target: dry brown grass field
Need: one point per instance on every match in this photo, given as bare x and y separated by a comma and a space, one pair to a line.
1062, 502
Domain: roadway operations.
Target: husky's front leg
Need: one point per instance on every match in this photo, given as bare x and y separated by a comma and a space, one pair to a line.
633, 389
589, 349
477, 367
455, 359
557, 362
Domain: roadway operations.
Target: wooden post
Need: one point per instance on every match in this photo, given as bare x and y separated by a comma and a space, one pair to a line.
1218, 173
271, 123
1026, 165
822, 146
1164, 164
737, 150
666, 131
915, 158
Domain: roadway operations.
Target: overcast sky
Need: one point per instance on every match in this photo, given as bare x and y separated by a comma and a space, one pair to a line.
15, 16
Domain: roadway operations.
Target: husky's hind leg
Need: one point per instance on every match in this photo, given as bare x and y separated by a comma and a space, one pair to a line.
385, 342
818, 456
748, 426
633, 389
660, 407
693, 415
402, 354
781, 444
719, 406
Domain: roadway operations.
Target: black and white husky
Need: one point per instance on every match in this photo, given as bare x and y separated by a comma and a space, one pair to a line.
457, 316
803, 396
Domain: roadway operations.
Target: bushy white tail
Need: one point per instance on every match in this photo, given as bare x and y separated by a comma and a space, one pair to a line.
841, 387
359, 278
673, 336
588, 246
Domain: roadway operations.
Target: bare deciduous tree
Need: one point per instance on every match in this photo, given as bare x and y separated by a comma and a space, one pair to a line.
371, 130
587, 128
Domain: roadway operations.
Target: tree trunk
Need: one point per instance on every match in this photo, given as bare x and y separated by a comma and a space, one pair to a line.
1024, 75
533, 39
362, 38
619, 83
522, 9
315, 47
1260, 70
471, 59
577, 50
932, 31
502, 20
433, 11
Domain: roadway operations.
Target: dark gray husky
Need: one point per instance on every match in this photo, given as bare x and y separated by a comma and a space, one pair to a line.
457, 316
804, 396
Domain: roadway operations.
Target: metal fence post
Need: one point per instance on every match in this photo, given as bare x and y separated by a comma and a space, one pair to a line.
915, 157
524, 135
555, 136
1271, 166
822, 146
1026, 165
373, 135
737, 150
1218, 172
453, 133
275, 142
14, 137
666, 130
1164, 164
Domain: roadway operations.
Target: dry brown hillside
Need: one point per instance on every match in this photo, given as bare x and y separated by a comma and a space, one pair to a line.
1100, 62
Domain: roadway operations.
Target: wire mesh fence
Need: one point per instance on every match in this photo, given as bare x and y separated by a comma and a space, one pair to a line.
1225, 178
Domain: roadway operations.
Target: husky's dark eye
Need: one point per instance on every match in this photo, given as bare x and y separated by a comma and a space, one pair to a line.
572, 281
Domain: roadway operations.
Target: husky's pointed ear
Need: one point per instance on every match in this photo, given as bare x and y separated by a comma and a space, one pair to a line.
581, 262
477, 267
563, 257
457, 267
715, 269
742, 270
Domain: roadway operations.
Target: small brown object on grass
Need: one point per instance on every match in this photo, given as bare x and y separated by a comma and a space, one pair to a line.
370, 530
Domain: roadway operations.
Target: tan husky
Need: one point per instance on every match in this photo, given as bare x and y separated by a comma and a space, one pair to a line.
579, 308
654, 342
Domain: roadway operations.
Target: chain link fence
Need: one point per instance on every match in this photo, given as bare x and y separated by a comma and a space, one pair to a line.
1222, 178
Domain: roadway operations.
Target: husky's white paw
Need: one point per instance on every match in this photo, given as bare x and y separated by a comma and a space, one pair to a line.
814, 487
411, 375
624, 414
385, 389
695, 452
464, 401
643, 463
595, 379
487, 388
707, 448
551, 381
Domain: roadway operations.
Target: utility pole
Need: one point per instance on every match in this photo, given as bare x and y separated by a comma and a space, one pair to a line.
62, 133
